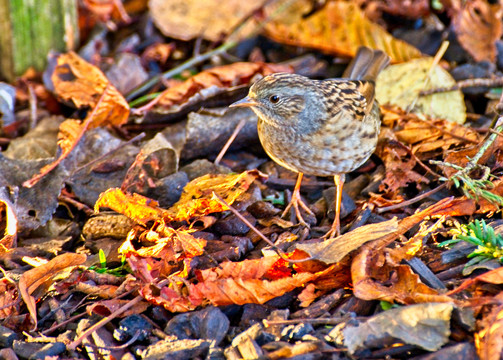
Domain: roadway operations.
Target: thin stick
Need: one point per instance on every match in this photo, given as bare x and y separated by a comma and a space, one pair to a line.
280, 252
491, 83
73, 345
222, 152
411, 201
436, 60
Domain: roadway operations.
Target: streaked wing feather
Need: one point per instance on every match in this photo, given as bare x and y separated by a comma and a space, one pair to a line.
354, 97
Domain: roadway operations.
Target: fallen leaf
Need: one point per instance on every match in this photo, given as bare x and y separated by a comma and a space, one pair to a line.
8, 296
32, 279
136, 207
338, 28
206, 84
198, 200
477, 24
376, 276
489, 339
493, 277
75, 80
400, 85
334, 250
7, 208
189, 19
424, 325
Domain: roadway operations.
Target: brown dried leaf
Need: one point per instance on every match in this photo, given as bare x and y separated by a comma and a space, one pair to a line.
478, 26
371, 269
334, 250
85, 85
211, 82
493, 277
489, 339
339, 28
189, 19
74, 79
33, 278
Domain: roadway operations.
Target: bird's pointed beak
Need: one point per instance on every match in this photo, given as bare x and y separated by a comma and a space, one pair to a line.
245, 102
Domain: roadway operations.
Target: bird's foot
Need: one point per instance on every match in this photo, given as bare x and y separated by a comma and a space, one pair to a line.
335, 230
295, 202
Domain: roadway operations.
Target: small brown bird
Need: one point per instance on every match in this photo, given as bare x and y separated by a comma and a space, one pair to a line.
319, 127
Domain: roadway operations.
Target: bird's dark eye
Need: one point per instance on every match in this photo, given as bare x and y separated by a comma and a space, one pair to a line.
274, 99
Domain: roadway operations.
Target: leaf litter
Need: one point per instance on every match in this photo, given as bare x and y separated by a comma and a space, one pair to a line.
179, 258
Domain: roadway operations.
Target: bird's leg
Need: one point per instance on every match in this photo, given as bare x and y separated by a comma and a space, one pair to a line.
296, 201
336, 226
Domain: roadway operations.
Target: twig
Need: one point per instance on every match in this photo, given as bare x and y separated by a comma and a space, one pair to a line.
436, 60
411, 201
233, 136
475, 187
73, 345
490, 83
280, 252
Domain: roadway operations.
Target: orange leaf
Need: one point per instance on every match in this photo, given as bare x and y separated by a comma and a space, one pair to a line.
489, 339
210, 82
137, 207
74, 79
197, 198
340, 27
493, 277
84, 84
33, 278
477, 24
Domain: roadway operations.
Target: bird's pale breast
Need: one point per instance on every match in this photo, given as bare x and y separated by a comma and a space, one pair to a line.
341, 145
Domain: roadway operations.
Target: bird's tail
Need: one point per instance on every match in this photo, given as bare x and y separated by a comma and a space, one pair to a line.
367, 64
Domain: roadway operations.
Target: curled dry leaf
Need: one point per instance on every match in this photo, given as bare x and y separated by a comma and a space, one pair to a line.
334, 250
371, 269
33, 278
478, 26
8, 240
339, 28
210, 83
169, 244
493, 277
75, 80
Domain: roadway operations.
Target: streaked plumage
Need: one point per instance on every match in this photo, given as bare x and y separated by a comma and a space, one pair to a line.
319, 127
